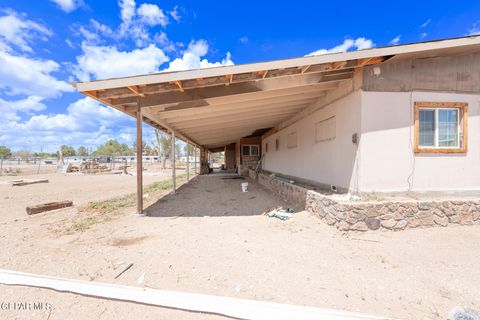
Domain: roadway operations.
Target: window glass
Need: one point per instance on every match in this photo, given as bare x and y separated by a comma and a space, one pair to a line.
246, 150
448, 128
254, 150
427, 128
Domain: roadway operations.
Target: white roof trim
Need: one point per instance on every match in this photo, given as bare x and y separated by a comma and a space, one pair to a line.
277, 64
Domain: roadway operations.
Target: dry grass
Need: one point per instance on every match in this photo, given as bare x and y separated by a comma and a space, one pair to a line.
106, 210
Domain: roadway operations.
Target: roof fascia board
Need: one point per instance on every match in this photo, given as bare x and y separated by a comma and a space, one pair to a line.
277, 64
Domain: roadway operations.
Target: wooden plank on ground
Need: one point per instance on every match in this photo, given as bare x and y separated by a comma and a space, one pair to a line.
26, 182
48, 206
230, 307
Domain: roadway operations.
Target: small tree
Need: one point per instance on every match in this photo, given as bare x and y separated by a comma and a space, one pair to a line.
188, 150
113, 148
164, 146
178, 150
5, 152
23, 154
82, 151
67, 150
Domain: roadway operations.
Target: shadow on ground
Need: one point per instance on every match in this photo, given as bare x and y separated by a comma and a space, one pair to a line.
215, 195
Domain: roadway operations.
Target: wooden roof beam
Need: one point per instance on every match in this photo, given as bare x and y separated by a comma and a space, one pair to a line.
229, 78
135, 90
207, 114
234, 92
179, 85
210, 105
238, 117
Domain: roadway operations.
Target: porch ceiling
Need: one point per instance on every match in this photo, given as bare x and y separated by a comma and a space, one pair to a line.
216, 106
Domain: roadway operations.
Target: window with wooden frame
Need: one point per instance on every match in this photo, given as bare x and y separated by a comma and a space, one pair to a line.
249, 149
440, 127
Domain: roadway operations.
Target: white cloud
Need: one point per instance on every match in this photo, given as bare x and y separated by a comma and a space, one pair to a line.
93, 33
9, 109
348, 44
28, 76
395, 40
70, 43
83, 114
244, 39
475, 29
89, 36
152, 15
192, 58
100, 62
132, 25
86, 122
165, 43
175, 14
68, 5
426, 23
422, 35
127, 11
101, 28
15, 29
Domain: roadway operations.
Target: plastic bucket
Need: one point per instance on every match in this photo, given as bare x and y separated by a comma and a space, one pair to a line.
245, 186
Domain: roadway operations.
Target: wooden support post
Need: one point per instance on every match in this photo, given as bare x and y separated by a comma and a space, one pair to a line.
202, 161
139, 162
195, 160
174, 176
188, 161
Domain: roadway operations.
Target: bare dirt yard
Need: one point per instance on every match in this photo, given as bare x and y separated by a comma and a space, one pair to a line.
211, 238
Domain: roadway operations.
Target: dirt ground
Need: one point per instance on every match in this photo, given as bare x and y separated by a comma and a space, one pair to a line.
211, 238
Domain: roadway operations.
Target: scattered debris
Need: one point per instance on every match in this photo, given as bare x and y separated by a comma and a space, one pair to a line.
233, 178
141, 279
17, 183
178, 216
369, 240
124, 270
279, 178
462, 313
48, 206
92, 167
280, 213
244, 186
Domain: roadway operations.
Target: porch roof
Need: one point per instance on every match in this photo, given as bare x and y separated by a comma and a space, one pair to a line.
216, 106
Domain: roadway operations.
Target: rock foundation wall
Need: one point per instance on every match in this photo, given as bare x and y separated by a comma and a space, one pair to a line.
374, 215
363, 216
295, 195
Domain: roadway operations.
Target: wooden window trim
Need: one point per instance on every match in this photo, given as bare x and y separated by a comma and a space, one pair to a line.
250, 150
463, 115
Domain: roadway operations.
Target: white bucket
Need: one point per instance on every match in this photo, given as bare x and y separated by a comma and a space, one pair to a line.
245, 186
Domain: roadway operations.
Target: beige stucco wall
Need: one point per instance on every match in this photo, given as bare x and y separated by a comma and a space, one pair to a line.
327, 162
383, 160
387, 162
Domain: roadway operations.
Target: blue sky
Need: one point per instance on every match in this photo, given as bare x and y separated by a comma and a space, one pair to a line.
45, 43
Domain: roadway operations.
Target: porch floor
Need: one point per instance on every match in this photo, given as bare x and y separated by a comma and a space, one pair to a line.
216, 195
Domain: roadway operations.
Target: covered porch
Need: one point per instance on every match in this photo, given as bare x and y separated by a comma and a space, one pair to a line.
222, 108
